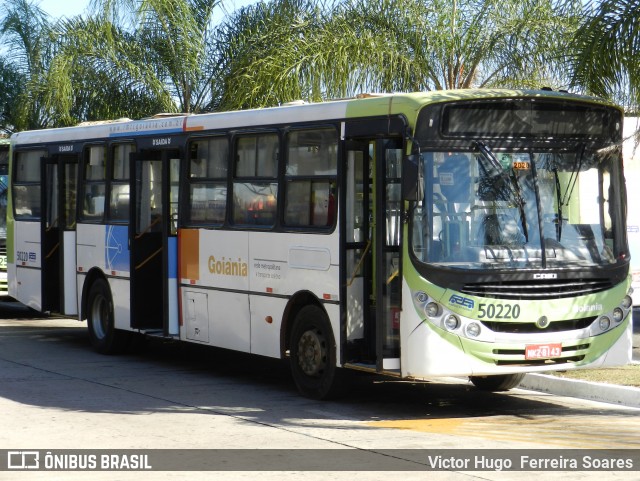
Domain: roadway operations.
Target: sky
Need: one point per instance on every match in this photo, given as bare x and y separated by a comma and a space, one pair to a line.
71, 8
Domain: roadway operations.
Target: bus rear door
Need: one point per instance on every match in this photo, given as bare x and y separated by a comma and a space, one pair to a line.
153, 241
58, 234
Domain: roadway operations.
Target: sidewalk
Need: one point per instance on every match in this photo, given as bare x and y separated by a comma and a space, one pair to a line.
594, 391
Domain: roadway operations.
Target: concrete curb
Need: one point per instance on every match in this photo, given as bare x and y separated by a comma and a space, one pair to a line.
594, 391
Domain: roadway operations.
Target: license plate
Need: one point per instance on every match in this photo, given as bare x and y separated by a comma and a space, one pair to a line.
542, 351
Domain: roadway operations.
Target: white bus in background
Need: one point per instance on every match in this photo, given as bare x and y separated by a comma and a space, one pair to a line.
631, 154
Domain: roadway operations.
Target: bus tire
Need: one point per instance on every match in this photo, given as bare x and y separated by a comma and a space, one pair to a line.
500, 382
105, 338
313, 354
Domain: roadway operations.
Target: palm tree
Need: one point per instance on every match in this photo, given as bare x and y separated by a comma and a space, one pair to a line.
173, 36
445, 44
25, 34
11, 83
102, 72
290, 49
270, 53
607, 51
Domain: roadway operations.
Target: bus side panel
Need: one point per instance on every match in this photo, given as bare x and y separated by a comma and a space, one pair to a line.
280, 265
214, 266
229, 323
283, 264
106, 248
69, 274
91, 247
266, 320
121, 293
28, 274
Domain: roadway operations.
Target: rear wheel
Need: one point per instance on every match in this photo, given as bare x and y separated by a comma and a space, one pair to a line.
313, 354
105, 338
500, 382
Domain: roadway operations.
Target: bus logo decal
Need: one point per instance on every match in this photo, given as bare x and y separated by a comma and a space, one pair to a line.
227, 267
461, 301
589, 308
540, 275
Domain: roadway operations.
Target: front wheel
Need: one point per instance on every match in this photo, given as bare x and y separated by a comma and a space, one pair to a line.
313, 354
500, 382
105, 338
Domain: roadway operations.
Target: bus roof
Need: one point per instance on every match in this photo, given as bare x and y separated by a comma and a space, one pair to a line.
363, 105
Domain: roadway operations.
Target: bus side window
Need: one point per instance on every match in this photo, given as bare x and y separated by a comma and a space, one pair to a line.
119, 194
311, 178
94, 181
208, 160
255, 189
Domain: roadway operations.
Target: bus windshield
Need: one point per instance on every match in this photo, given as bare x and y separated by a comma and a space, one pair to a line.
519, 209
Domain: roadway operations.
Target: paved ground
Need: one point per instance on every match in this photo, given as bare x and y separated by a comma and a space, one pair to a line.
57, 393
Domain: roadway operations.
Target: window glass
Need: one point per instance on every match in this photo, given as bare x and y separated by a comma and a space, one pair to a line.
311, 178
28, 166
26, 189
209, 158
119, 194
70, 196
254, 200
149, 201
95, 168
121, 154
93, 201
255, 203
312, 152
257, 156
310, 203
208, 202
120, 202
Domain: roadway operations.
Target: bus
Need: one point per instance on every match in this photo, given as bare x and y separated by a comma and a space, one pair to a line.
4, 187
475, 233
631, 156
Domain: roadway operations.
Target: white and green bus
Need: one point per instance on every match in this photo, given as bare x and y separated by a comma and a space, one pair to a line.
474, 233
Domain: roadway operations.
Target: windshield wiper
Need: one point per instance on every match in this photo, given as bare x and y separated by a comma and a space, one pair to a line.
559, 201
574, 177
510, 180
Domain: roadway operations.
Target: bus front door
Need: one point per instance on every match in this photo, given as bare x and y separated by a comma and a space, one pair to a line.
154, 208
372, 253
58, 234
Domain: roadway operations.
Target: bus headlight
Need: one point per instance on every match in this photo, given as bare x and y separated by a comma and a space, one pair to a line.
472, 329
618, 315
604, 323
432, 309
451, 322
422, 297
626, 302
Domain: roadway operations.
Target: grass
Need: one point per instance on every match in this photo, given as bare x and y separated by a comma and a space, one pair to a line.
624, 376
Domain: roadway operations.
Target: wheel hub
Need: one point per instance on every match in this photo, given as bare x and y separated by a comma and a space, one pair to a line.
312, 353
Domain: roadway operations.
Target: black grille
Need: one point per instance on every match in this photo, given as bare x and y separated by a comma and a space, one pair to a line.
530, 327
537, 290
